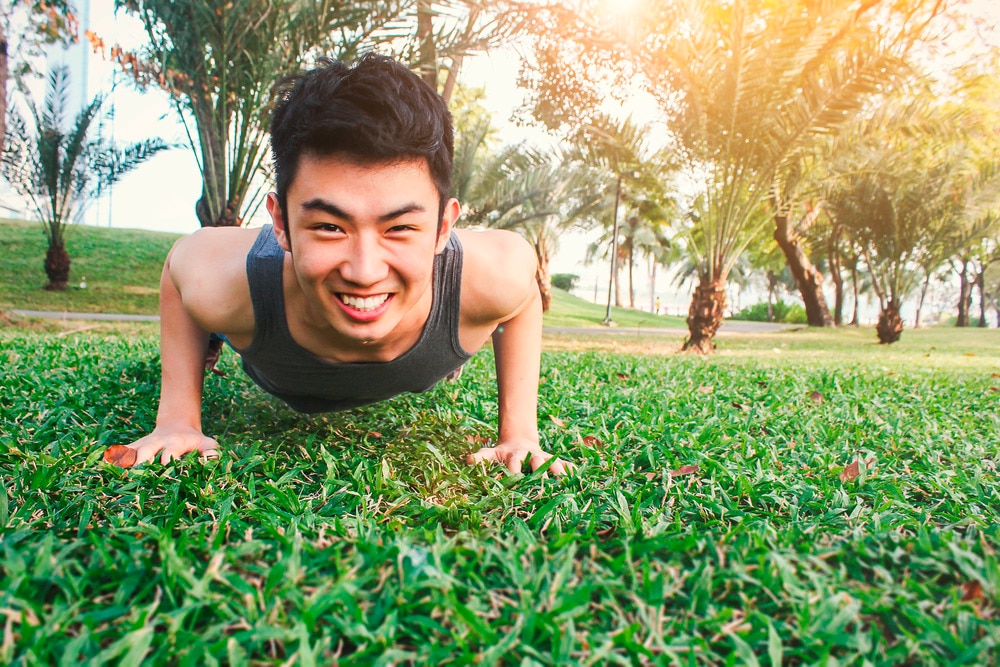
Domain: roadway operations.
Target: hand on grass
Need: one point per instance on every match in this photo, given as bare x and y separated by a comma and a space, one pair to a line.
170, 443
513, 453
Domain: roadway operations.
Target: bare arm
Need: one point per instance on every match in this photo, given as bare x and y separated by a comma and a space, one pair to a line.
183, 344
517, 344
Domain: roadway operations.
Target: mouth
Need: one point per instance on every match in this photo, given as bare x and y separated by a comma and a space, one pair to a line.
364, 308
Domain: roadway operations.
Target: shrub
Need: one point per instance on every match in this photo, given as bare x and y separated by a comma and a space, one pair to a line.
565, 281
783, 312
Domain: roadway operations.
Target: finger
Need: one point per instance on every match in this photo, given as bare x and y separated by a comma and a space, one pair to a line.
515, 460
146, 450
483, 455
208, 448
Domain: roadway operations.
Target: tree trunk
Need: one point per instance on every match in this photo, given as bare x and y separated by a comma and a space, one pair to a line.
57, 267
855, 322
964, 295
425, 37
771, 280
981, 286
890, 324
3, 86
631, 280
837, 276
652, 286
705, 315
808, 278
544, 281
920, 301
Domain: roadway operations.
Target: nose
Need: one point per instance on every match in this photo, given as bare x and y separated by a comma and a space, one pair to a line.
365, 263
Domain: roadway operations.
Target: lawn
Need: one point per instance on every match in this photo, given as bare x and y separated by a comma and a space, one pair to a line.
120, 268
801, 497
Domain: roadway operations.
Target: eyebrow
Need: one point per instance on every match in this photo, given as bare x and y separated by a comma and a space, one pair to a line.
317, 204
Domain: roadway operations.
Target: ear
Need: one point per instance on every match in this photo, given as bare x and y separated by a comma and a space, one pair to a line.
452, 209
280, 224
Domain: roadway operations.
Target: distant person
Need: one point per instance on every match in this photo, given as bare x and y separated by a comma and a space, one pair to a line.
361, 289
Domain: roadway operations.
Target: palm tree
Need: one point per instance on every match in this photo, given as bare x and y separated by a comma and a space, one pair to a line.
744, 86
59, 171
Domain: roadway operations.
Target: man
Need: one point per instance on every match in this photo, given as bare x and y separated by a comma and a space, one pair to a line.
361, 289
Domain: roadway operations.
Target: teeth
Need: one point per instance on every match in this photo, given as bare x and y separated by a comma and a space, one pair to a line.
366, 303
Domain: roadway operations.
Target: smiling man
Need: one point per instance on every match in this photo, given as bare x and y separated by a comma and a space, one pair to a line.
361, 289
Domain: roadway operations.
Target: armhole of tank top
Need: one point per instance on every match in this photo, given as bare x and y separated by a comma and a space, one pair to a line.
257, 274
454, 287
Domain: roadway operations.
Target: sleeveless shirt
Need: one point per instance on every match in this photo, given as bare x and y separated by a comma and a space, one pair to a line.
307, 383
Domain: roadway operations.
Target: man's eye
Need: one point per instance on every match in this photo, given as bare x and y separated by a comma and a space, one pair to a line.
328, 228
401, 228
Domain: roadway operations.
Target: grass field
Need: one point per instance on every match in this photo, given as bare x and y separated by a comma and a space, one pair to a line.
803, 497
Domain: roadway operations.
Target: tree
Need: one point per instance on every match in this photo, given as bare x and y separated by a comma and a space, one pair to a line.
59, 171
218, 60
745, 87
50, 22
902, 198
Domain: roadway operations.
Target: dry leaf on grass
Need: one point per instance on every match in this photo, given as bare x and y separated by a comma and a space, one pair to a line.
120, 455
684, 470
972, 590
816, 396
558, 422
591, 441
853, 469
706, 389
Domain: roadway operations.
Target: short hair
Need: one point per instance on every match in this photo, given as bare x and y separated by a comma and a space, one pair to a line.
376, 111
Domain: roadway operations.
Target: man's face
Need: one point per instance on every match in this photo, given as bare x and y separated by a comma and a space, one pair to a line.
363, 239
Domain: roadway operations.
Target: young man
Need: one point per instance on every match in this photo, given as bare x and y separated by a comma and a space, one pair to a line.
361, 289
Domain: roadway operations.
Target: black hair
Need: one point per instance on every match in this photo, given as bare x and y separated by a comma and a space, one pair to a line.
376, 111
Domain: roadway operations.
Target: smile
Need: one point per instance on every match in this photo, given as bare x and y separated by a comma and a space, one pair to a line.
363, 304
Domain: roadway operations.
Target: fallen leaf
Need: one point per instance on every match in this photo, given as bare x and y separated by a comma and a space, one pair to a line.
684, 470
120, 455
816, 397
591, 441
374, 434
970, 354
972, 590
705, 389
649, 475
475, 439
995, 375
853, 469
740, 406
994, 388
622, 376
558, 422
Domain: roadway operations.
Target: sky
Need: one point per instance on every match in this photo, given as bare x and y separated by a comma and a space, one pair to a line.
160, 195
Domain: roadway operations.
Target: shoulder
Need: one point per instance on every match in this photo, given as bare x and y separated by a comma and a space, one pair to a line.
498, 273
208, 269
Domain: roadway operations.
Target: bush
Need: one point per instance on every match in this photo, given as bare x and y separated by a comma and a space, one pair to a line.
565, 281
783, 312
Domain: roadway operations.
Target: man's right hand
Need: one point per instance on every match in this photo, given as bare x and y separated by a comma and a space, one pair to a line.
169, 443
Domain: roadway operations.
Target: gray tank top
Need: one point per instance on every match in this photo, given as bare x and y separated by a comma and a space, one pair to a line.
307, 383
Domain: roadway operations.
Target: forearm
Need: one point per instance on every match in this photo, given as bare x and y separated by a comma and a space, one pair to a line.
517, 345
183, 344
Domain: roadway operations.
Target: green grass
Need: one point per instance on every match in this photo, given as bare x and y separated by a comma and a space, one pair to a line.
361, 538
571, 311
121, 268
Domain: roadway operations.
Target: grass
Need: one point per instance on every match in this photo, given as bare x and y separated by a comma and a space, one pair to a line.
121, 269
719, 515
362, 538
